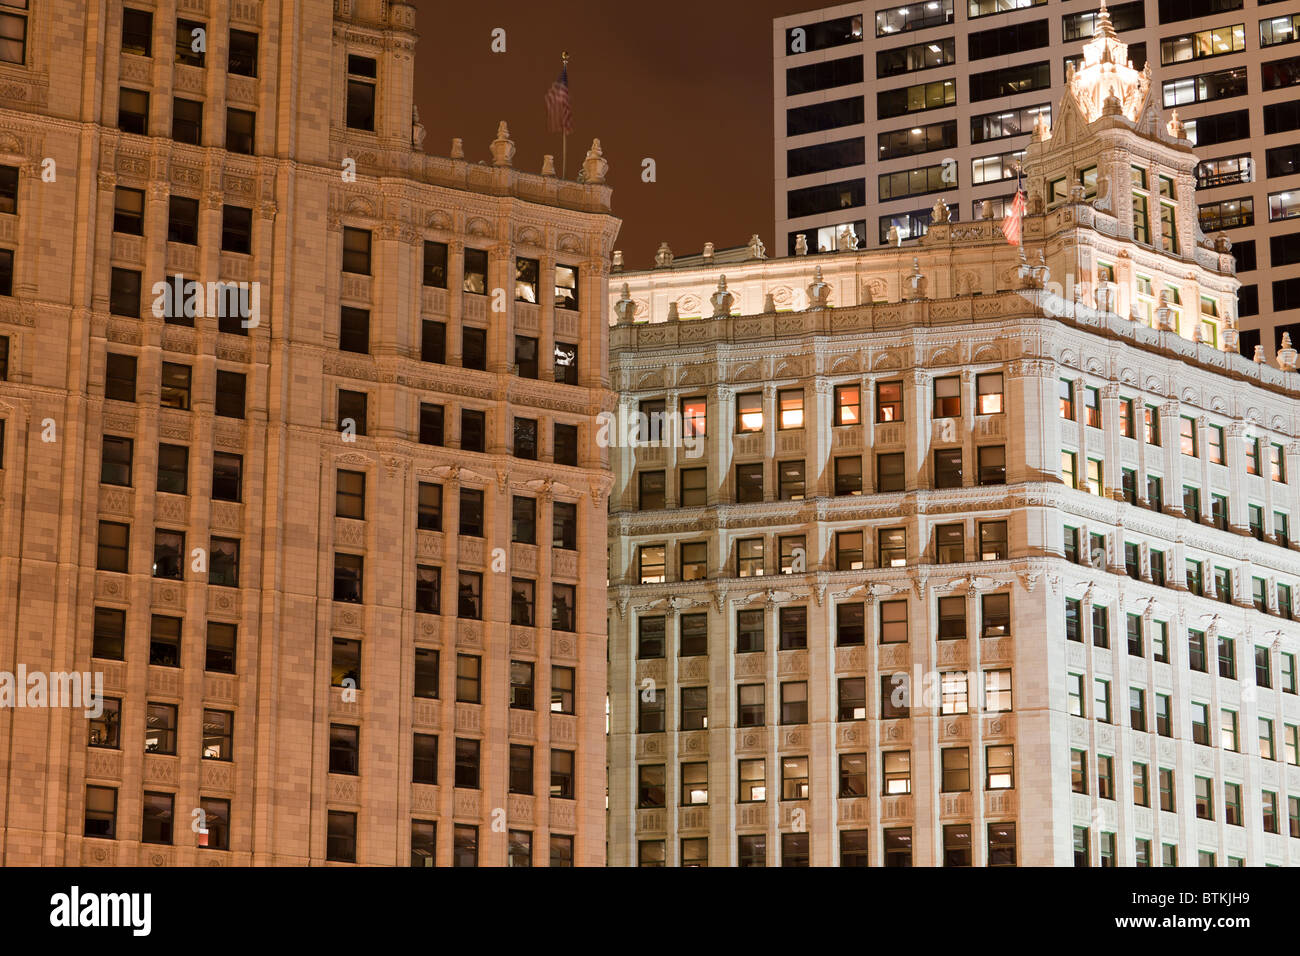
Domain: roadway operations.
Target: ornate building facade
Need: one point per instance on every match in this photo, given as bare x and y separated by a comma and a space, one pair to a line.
333, 536
954, 553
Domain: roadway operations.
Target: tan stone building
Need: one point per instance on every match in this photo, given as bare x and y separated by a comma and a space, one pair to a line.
937, 555
335, 537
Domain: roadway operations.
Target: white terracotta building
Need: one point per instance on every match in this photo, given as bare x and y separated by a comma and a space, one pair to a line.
949, 555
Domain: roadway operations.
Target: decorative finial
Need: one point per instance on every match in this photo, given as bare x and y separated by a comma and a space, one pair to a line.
1259, 355
801, 244
819, 292
663, 257
548, 165
457, 148
595, 166
503, 148
722, 299
616, 263
756, 248
625, 308
708, 250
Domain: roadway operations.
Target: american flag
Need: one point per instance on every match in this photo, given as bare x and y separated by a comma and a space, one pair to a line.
1011, 221
559, 115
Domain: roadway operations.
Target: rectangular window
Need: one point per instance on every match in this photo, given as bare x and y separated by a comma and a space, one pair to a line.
426, 673
947, 397
790, 408
133, 111
947, 468
850, 624
750, 627
890, 472
893, 622
955, 769
749, 558
995, 615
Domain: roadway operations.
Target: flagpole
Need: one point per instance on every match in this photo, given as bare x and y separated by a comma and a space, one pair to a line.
564, 142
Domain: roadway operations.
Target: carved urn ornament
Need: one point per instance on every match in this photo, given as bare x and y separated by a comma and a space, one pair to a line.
914, 285
503, 147
625, 308
722, 299
663, 257
595, 166
819, 292
756, 248
801, 244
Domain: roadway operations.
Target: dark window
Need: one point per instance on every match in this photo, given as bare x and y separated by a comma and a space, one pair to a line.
426, 673
350, 494
424, 842
223, 563
344, 749
564, 526
831, 197
352, 412
890, 475
473, 348
113, 547
429, 509
1222, 127
133, 111
101, 802
1282, 117
435, 264
356, 251
227, 476
566, 447
476, 269
124, 293
219, 655
433, 341
173, 469
159, 818
1171, 11
109, 634
848, 476
431, 424
175, 386
564, 599
822, 116
236, 229
115, 461
523, 601
1007, 39
8, 189
164, 640
824, 35
749, 482
6, 272
183, 220
947, 468
471, 512
243, 53
424, 759
467, 763
119, 377
523, 520
190, 34
1286, 294
469, 595
137, 34
354, 330
230, 394
525, 438
473, 430
128, 211
823, 75
160, 728
187, 121
428, 589
1010, 81
349, 573
1282, 251
361, 93
341, 834
825, 156
241, 131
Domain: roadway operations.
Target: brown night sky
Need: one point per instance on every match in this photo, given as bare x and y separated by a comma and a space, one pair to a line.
686, 83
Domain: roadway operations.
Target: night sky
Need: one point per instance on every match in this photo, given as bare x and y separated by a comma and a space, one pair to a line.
686, 83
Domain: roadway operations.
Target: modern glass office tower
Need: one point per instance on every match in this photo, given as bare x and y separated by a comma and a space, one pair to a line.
880, 108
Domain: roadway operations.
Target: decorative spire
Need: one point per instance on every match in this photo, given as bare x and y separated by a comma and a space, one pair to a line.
1104, 27
503, 147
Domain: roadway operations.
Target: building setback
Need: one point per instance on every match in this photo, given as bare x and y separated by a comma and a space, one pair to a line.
947, 553
878, 108
338, 553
